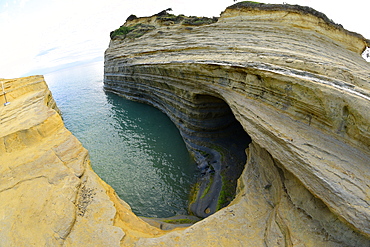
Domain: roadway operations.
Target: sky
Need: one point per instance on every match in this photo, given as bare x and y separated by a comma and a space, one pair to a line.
41, 36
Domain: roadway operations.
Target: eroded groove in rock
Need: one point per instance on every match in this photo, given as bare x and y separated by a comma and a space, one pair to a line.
207, 125
297, 84
42, 166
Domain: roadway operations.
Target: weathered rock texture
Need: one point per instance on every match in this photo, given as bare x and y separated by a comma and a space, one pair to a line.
297, 84
49, 195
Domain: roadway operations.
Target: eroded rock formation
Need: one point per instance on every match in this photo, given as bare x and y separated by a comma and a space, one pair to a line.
294, 82
49, 195
297, 84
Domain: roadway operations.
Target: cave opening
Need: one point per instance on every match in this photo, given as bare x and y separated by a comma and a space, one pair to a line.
218, 142
209, 129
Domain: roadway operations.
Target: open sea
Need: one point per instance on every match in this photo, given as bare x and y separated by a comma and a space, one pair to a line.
133, 147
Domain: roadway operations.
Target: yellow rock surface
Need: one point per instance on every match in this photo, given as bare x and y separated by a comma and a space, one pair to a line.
299, 88
49, 194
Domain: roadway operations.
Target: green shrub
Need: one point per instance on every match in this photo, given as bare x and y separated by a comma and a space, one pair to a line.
169, 17
135, 31
123, 30
198, 21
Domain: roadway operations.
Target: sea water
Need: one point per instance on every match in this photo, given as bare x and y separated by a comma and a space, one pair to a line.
133, 147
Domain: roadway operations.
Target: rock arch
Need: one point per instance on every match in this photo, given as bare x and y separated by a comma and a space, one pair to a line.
299, 87
218, 142
207, 124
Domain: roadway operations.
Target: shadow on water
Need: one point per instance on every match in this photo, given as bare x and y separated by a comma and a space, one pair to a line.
157, 168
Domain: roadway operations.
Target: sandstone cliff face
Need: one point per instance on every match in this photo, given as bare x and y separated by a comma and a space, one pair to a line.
296, 85
49, 194
300, 89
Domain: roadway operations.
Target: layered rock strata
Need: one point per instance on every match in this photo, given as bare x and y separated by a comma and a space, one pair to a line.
298, 86
49, 195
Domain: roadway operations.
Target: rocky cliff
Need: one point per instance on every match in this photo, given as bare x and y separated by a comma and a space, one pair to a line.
49, 194
281, 80
285, 78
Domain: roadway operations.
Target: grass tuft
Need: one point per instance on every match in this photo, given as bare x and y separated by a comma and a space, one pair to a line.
135, 31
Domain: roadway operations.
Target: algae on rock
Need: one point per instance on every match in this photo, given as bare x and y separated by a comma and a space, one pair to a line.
293, 83
299, 88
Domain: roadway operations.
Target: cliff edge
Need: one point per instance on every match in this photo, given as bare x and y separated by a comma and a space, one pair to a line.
299, 88
49, 194
279, 90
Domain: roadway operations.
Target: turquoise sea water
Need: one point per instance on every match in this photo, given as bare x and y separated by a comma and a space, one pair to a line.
134, 147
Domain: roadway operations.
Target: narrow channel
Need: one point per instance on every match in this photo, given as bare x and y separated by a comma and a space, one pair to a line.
134, 147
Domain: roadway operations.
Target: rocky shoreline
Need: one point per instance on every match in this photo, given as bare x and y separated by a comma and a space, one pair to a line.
295, 82
211, 133
296, 86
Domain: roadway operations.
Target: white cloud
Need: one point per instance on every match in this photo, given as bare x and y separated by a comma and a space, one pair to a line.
22, 3
79, 30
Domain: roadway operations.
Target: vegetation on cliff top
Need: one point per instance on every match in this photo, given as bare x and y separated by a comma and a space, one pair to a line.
163, 18
135, 31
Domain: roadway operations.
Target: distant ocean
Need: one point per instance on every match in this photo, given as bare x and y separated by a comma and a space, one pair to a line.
134, 147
